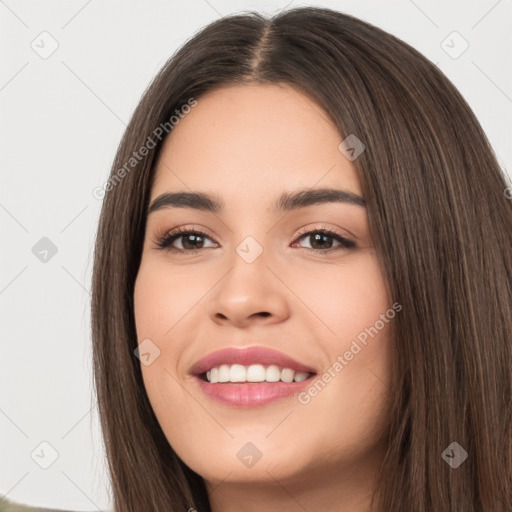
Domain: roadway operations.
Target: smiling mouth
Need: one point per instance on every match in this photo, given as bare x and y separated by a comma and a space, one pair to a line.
253, 374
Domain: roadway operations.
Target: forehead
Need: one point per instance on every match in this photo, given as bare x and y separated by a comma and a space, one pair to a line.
250, 143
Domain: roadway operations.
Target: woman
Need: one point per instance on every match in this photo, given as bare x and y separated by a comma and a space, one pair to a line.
302, 283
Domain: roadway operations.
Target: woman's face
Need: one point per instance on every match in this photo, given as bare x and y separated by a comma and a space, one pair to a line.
263, 276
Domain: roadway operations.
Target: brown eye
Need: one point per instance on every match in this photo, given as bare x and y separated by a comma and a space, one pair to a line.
191, 241
322, 240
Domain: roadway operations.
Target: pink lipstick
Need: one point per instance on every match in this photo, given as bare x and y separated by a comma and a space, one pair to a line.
251, 376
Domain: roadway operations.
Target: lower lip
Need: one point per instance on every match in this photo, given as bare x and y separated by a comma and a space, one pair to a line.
251, 394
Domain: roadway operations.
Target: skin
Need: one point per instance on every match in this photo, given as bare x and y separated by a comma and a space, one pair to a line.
248, 144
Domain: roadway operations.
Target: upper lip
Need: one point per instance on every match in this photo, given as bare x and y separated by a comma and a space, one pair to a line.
247, 356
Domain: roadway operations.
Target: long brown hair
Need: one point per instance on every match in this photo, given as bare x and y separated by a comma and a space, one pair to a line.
442, 226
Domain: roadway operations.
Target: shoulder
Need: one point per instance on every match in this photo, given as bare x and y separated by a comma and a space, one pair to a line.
9, 506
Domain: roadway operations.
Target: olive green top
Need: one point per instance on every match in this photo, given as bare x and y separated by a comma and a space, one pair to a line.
9, 506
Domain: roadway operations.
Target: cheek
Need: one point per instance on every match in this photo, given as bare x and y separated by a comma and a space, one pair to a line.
343, 298
163, 297
353, 303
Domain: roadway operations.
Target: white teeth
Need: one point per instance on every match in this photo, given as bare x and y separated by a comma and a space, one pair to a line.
256, 373
287, 375
224, 373
273, 374
237, 373
300, 376
253, 373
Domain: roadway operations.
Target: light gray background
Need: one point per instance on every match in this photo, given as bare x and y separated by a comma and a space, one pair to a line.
62, 119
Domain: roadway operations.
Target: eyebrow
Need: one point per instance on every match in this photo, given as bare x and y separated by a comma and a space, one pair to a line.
288, 201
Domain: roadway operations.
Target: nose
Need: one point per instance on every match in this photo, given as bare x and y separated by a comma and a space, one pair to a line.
249, 293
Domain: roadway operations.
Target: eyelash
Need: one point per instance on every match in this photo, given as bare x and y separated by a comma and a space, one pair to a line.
164, 242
